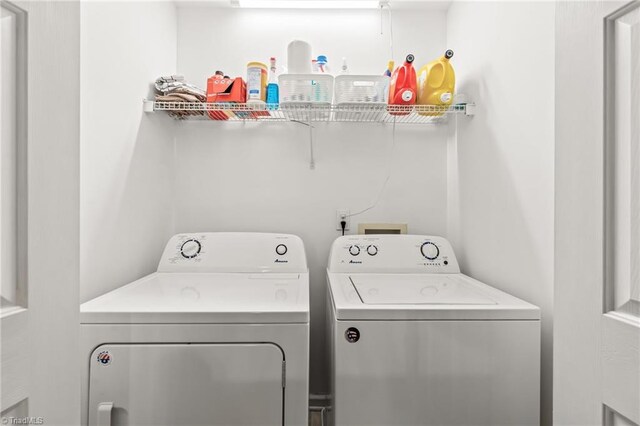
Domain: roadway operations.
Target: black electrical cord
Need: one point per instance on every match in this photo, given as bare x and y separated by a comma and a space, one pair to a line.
343, 225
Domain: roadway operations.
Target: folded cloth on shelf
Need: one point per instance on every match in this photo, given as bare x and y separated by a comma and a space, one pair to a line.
177, 97
173, 88
168, 79
176, 84
184, 110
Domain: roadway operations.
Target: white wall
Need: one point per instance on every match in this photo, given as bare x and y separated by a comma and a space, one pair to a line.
235, 176
490, 190
127, 156
501, 163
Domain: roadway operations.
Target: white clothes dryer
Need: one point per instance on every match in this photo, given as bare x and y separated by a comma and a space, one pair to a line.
219, 335
414, 342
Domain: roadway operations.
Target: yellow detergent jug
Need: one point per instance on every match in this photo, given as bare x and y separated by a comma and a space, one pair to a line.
436, 83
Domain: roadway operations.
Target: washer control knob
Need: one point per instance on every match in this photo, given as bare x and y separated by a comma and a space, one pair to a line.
354, 250
372, 250
430, 250
281, 249
190, 248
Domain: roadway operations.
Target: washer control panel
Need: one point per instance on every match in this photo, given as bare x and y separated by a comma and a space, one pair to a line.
233, 252
392, 253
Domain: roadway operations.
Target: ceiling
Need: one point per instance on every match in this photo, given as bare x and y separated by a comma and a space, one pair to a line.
395, 4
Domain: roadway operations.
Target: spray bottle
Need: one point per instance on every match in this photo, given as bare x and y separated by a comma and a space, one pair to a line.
345, 68
272, 87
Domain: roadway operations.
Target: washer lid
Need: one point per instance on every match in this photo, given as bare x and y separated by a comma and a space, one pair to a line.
410, 297
417, 290
175, 298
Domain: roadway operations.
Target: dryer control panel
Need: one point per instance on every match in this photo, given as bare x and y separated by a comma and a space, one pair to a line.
392, 254
233, 252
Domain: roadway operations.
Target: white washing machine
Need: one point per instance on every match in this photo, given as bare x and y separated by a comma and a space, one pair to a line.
219, 335
415, 342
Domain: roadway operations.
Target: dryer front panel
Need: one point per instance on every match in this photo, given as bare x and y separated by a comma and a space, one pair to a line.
186, 384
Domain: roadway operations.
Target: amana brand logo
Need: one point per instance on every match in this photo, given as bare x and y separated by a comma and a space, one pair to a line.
280, 261
352, 335
104, 358
355, 261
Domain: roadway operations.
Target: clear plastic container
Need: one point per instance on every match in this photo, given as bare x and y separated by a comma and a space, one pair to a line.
300, 94
367, 93
306, 88
361, 89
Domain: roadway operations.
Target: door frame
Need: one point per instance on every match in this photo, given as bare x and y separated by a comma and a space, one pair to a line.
609, 142
14, 319
621, 318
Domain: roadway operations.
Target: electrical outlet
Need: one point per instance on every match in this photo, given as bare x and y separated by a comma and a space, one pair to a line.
340, 216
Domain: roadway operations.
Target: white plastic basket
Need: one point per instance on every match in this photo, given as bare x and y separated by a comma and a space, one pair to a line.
305, 89
361, 89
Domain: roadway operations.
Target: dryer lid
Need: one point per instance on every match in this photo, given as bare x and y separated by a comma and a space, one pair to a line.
173, 298
427, 289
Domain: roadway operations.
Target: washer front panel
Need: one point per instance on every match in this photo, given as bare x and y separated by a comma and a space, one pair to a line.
448, 373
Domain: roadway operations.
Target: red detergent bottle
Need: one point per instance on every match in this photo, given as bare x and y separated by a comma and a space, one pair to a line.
403, 87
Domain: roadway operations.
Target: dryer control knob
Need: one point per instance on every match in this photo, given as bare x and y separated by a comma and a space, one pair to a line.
281, 249
372, 250
430, 250
354, 250
190, 248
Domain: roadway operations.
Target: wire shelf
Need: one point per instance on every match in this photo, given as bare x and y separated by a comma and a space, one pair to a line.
307, 112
